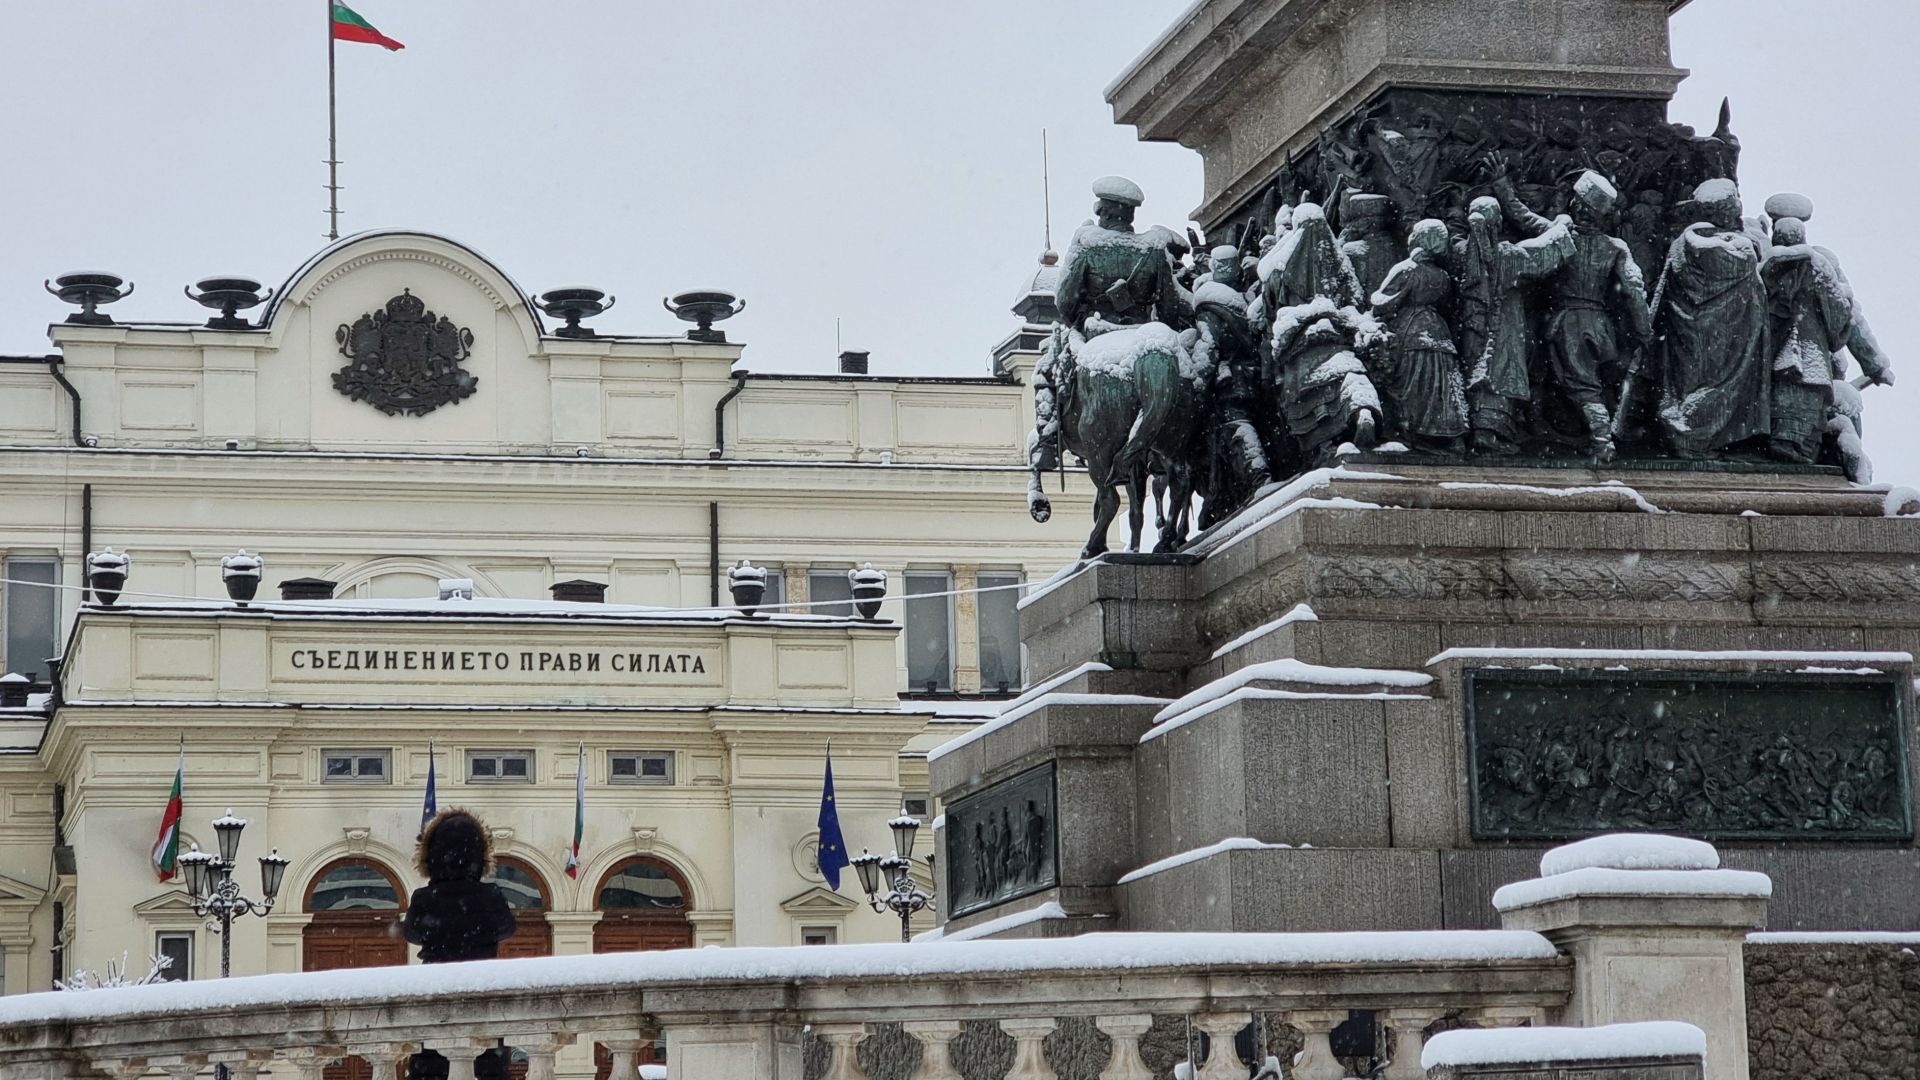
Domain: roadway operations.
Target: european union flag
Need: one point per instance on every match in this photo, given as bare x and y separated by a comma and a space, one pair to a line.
832, 855
432, 805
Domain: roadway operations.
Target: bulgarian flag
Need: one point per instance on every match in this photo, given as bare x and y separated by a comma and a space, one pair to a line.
579, 813
349, 26
166, 848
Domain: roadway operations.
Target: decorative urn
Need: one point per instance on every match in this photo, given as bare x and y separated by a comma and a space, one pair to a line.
240, 572
573, 304
88, 290
869, 585
228, 295
703, 308
107, 574
748, 583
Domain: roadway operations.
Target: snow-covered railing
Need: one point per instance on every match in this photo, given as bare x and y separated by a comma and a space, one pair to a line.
726, 1013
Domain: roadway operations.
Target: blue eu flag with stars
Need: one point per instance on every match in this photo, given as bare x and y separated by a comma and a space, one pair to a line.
430, 805
832, 855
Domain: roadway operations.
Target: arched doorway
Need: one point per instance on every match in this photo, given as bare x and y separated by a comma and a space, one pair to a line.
355, 903
527, 895
643, 905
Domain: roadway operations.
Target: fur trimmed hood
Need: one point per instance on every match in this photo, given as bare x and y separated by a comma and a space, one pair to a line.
454, 846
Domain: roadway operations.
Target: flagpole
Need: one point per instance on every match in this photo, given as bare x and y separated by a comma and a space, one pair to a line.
333, 140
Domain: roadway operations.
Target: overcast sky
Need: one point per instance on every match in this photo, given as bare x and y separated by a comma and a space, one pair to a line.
875, 162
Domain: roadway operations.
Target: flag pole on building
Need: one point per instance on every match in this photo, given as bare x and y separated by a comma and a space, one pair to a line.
166, 846
579, 812
831, 855
343, 24
431, 805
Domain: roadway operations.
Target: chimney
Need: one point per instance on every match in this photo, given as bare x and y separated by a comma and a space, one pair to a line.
306, 588
13, 691
853, 362
580, 591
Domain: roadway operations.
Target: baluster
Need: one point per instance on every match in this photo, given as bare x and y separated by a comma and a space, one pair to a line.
936, 1048
541, 1048
1316, 1060
1409, 1028
845, 1040
383, 1058
1125, 1031
1223, 1061
625, 1055
1029, 1053
459, 1054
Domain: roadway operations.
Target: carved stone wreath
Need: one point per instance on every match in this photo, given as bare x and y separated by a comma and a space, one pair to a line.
404, 360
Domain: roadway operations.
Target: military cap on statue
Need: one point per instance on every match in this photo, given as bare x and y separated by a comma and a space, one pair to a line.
1119, 189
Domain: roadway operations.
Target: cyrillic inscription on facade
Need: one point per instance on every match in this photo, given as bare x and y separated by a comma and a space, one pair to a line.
1001, 843
1561, 754
663, 665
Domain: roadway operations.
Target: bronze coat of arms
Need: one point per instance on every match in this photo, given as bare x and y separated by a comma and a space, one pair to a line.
404, 360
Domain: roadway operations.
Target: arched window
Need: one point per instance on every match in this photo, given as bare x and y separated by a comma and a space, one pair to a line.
355, 885
642, 885
523, 887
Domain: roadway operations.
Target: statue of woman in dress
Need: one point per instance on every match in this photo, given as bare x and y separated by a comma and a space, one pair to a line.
1419, 375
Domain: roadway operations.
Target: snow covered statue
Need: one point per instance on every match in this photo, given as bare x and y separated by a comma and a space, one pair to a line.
1118, 385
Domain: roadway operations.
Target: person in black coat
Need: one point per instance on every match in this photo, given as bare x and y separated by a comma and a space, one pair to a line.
457, 915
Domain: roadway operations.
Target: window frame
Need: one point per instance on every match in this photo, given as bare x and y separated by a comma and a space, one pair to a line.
907, 599
1002, 578
639, 778
42, 676
818, 606
176, 974
498, 757
355, 755
830, 933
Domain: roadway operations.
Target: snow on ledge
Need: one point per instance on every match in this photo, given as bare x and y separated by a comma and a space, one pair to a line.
1274, 502
639, 971
1231, 843
1505, 1046
1300, 613
1294, 671
1732, 655
1610, 488
1048, 910
1631, 851
1834, 937
1039, 697
1255, 693
1602, 881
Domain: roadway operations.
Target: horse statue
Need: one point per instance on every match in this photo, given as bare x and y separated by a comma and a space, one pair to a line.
1118, 385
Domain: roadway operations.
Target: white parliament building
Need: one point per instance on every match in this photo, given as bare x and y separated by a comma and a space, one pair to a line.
400, 414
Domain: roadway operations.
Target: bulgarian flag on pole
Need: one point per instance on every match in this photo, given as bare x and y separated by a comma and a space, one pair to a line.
579, 813
349, 26
166, 848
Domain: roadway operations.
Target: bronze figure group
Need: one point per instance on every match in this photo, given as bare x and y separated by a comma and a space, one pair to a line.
1431, 306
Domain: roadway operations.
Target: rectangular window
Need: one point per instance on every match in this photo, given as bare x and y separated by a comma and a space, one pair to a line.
1000, 667
915, 806
177, 947
641, 767
818, 935
829, 585
32, 614
499, 766
355, 766
776, 594
929, 632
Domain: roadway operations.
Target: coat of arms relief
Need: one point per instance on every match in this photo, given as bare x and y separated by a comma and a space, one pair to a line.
404, 360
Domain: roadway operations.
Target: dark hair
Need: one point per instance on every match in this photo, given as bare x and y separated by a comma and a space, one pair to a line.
454, 846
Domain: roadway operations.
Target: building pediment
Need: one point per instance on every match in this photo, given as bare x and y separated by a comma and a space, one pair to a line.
172, 902
817, 901
15, 891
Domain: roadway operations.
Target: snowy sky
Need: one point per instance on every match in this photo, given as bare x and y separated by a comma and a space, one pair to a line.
875, 162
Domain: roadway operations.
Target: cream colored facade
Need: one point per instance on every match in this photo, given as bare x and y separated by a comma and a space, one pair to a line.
259, 698
594, 458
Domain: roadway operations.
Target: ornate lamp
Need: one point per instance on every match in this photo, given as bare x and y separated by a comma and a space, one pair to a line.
196, 862
868, 864
227, 829
573, 304
903, 830
107, 574
273, 869
229, 296
703, 308
88, 290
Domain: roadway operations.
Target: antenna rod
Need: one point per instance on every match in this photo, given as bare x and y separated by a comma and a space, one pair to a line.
1046, 188
333, 141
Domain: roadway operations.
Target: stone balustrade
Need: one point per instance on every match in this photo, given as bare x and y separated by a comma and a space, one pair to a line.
726, 1013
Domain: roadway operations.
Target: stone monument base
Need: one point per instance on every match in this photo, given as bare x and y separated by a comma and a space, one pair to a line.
1380, 691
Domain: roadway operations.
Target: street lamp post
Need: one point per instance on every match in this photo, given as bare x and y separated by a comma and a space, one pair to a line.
217, 896
902, 897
